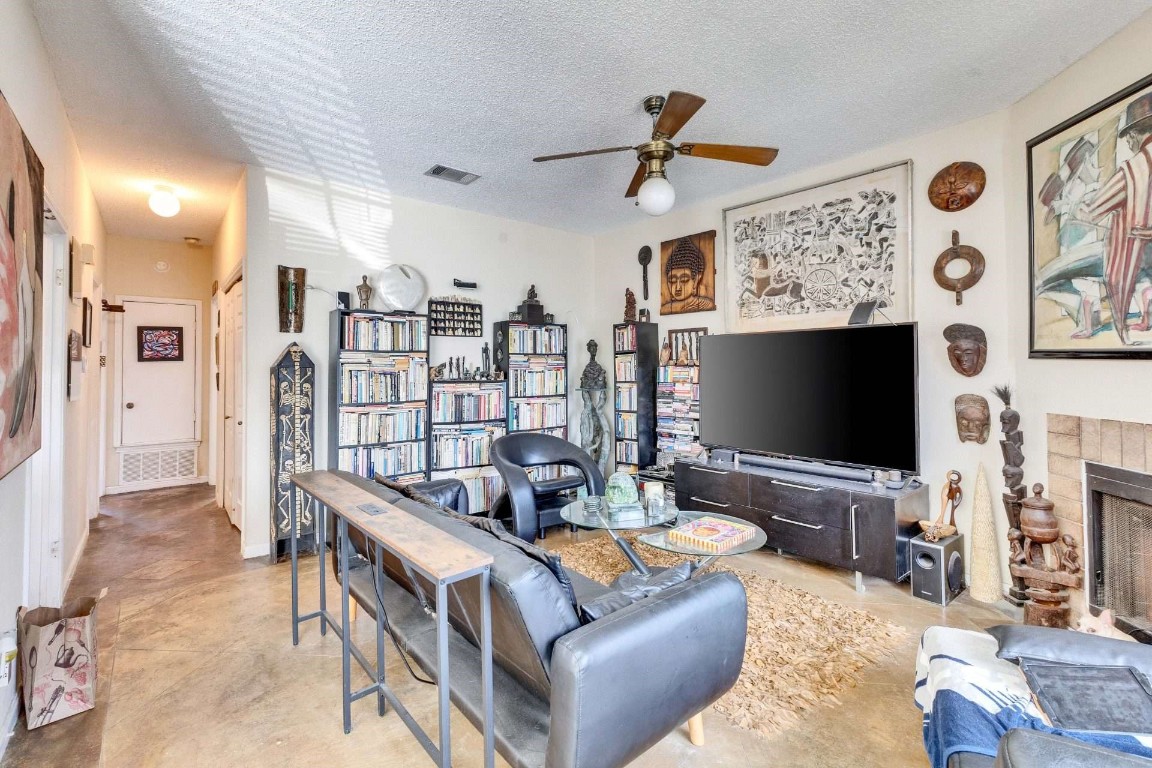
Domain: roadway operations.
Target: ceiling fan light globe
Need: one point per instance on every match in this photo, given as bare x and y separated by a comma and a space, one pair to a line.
656, 196
164, 202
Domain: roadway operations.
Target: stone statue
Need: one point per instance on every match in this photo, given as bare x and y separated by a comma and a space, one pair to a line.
532, 297
967, 348
594, 375
594, 429
973, 419
364, 291
629, 306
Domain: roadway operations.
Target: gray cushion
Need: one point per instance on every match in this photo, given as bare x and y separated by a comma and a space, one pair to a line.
1064, 646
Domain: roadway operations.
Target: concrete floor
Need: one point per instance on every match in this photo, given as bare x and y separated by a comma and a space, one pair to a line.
197, 668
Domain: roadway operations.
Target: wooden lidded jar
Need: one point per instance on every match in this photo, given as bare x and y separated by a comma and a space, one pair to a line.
1038, 518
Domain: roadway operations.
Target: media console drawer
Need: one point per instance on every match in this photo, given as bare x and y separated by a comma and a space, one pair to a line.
814, 541
720, 486
816, 504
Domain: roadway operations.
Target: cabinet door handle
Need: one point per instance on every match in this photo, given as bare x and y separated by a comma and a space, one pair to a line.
713, 503
705, 469
796, 485
797, 522
852, 513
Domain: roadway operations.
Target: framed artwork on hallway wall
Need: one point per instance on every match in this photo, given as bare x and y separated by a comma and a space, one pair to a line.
159, 343
1090, 211
805, 258
21, 292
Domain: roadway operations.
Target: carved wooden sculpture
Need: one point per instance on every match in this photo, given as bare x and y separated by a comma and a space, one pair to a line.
966, 253
1011, 446
1047, 587
957, 186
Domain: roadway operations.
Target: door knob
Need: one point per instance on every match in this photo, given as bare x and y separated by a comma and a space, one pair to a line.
239, 423
130, 406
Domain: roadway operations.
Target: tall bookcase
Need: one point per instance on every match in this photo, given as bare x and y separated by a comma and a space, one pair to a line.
466, 416
636, 355
378, 380
677, 407
534, 359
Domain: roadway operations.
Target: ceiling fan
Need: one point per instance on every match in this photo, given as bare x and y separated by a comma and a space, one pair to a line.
650, 184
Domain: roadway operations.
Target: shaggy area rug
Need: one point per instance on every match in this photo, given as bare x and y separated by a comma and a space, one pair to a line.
802, 650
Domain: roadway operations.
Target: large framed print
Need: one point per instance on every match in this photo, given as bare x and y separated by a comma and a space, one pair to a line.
1090, 214
805, 258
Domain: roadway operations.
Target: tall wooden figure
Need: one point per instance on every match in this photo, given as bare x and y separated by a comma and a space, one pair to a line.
1012, 448
293, 396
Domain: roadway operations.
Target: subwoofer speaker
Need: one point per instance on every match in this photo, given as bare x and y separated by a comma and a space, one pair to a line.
937, 568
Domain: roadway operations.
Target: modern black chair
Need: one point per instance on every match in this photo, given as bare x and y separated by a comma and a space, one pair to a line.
534, 505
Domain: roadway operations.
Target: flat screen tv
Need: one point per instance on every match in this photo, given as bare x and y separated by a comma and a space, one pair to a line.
835, 395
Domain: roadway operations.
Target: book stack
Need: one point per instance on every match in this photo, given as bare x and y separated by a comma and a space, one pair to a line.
464, 445
539, 377
379, 334
541, 339
538, 414
388, 460
368, 425
624, 337
625, 425
483, 484
626, 397
711, 534
627, 452
382, 379
625, 368
468, 402
677, 407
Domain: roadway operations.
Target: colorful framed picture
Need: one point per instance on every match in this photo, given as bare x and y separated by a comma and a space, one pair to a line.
805, 258
159, 343
1089, 183
688, 274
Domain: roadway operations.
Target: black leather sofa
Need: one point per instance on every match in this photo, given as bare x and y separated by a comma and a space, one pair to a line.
567, 694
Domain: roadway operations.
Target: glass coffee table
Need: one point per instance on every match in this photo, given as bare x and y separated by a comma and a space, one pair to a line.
660, 540
626, 519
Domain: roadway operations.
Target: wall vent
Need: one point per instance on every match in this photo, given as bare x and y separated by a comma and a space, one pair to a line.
154, 466
451, 174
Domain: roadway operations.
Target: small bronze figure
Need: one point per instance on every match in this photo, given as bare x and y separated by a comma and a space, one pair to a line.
364, 291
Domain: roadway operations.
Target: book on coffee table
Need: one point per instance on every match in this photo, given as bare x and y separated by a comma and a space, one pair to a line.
711, 534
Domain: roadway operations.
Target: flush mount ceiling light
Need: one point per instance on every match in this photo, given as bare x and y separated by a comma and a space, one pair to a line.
164, 202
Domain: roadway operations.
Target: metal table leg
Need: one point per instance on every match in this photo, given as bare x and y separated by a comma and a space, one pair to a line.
442, 688
321, 518
345, 639
381, 702
637, 564
486, 669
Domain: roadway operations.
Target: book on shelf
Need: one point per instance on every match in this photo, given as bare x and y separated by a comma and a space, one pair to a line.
378, 425
627, 452
464, 401
538, 377
537, 339
483, 484
626, 397
538, 414
388, 460
624, 338
385, 334
385, 380
711, 534
626, 367
626, 426
463, 446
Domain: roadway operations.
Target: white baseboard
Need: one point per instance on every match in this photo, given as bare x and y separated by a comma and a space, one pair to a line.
256, 550
70, 571
112, 490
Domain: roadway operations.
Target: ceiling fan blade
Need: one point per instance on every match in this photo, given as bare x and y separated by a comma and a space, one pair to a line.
566, 155
677, 111
637, 180
730, 152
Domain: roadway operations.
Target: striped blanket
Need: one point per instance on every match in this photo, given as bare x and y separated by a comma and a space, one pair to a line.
970, 699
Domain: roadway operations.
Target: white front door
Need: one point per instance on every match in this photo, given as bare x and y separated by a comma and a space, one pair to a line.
158, 367
233, 375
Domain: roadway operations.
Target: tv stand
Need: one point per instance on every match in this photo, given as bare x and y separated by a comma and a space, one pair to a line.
842, 522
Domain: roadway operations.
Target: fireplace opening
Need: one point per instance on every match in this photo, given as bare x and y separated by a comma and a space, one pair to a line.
1119, 522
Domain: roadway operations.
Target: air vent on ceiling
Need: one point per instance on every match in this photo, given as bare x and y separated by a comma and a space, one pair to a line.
451, 174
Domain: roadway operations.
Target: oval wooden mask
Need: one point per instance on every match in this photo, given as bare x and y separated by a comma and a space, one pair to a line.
957, 186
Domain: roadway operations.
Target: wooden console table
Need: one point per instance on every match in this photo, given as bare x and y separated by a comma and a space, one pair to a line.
438, 556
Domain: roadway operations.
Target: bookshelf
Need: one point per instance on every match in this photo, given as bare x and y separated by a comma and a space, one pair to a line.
635, 357
534, 359
677, 407
378, 384
466, 416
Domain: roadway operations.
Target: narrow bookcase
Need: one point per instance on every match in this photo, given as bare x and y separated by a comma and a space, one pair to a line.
677, 407
466, 417
378, 380
636, 355
534, 359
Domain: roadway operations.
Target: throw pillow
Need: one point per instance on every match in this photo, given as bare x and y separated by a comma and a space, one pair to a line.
1063, 646
634, 592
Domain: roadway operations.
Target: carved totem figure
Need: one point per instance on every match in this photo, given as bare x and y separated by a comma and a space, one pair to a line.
629, 306
1047, 587
1012, 448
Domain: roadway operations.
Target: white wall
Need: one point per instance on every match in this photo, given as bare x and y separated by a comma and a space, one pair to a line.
27, 82
228, 249
340, 233
981, 225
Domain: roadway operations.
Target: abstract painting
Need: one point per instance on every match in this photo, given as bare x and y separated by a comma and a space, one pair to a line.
159, 343
688, 274
21, 292
1090, 202
804, 259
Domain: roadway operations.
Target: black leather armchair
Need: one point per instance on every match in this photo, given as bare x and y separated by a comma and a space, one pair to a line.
535, 505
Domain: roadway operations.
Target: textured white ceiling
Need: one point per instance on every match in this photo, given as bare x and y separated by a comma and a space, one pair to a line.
372, 93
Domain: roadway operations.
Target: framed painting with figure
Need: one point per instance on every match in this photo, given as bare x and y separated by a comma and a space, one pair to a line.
21, 292
1090, 209
805, 258
159, 343
688, 274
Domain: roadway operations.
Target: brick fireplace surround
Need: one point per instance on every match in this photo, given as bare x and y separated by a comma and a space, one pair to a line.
1072, 440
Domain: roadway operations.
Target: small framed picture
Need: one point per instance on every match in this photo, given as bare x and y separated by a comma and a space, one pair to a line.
86, 330
159, 343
